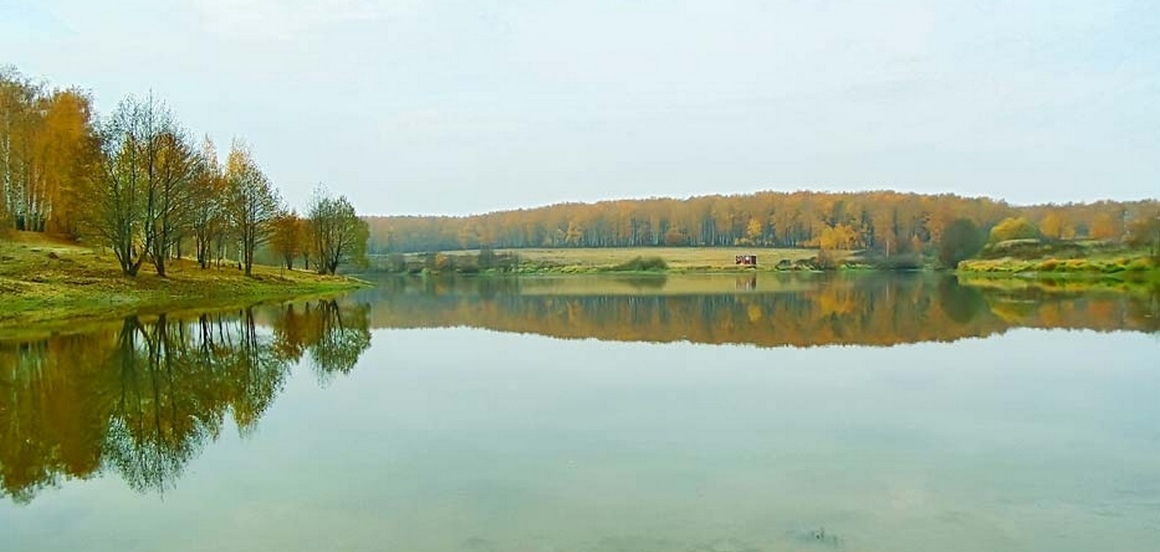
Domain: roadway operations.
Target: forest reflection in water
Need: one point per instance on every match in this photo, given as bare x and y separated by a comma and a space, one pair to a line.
143, 396
766, 310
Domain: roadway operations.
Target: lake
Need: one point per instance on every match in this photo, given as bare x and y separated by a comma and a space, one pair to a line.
764, 412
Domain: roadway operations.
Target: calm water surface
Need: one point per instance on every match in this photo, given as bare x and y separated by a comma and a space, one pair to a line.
703, 413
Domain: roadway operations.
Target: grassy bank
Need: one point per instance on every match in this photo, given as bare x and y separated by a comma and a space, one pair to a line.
1093, 263
677, 259
1052, 260
48, 283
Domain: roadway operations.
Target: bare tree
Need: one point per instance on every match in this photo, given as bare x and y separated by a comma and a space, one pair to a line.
253, 202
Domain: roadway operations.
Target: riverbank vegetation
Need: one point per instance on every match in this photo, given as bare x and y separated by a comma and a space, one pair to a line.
1121, 264
602, 260
134, 190
1017, 246
50, 283
1008, 258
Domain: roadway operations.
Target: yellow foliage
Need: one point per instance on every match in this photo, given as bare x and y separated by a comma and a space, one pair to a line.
1013, 228
838, 237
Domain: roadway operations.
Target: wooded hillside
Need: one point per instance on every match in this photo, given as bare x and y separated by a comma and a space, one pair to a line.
886, 221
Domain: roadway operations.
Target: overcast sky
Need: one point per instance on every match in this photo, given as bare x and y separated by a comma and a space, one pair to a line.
455, 107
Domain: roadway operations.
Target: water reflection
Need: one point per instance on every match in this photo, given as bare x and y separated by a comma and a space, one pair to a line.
144, 396
766, 310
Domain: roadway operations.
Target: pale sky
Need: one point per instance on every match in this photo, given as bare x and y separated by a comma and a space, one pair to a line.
456, 107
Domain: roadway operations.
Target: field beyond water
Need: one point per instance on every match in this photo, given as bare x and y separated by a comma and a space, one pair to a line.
48, 284
1031, 260
676, 258
619, 259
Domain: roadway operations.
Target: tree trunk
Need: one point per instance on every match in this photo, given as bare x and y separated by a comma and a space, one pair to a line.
248, 254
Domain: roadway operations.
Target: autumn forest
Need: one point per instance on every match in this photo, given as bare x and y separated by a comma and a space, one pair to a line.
886, 221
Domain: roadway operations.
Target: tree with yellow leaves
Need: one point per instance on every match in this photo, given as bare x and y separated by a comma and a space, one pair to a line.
1054, 226
1013, 228
140, 163
253, 203
287, 238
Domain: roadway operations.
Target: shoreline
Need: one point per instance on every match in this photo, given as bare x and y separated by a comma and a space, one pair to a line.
1118, 263
27, 316
1151, 276
53, 287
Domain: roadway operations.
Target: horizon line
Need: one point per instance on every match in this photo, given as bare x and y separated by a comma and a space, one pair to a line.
758, 192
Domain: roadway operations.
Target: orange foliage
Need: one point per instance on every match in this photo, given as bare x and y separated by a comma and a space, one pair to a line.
886, 221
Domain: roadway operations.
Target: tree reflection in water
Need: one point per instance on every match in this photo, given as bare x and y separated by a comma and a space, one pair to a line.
143, 398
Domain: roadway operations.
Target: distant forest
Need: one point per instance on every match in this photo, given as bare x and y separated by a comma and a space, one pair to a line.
886, 221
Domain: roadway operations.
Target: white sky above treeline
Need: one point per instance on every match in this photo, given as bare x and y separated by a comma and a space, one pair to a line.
457, 107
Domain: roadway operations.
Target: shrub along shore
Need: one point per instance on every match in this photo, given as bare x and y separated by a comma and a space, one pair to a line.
596, 260
1032, 258
47, 284
1023, 259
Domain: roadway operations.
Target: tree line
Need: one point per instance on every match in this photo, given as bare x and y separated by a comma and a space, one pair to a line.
888, 222
139, 183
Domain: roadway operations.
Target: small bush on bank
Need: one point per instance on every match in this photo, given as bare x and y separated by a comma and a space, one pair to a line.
904, 261
827, 260
1139, 265
642, 264
1113, 267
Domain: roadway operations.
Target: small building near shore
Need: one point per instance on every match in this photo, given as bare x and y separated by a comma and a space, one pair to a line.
746, 260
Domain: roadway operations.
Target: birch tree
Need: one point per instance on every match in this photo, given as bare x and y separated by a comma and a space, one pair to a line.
208, 217
170, 195
253, 202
